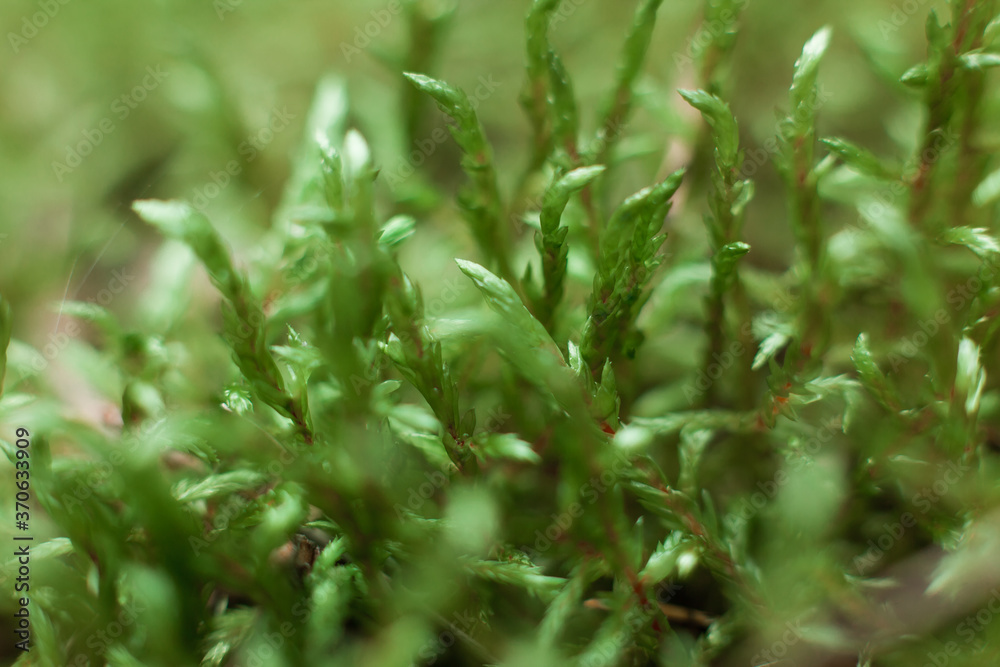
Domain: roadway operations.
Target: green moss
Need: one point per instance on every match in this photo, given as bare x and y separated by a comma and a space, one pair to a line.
568, 415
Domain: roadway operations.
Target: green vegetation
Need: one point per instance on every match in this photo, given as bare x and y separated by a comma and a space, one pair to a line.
651, 379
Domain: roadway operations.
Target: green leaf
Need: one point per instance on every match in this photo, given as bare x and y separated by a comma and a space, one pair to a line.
187, 491
559, 193
768, 348
244, 318
977, 239
859, 159
916, 77
515, 574
988, 191
720, 118
396, 231
979, 61
807, 66
726, 260
872, 377
633, 56
716, 420
481, 203
503, 300
970, 378
508, 446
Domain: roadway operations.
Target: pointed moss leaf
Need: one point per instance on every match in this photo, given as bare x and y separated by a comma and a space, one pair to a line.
179, 220
728, 257
807, 66
324, 128
872, 377
988, 191
720, 118
243, 317
187, 491
237, 399
639, 209
745, 191
937, 35
718, 420
663, 561
502, 299
976, 239
979, 61
452, 101
916, 77
768, 348
565, 605
508, 446
637, 42
515, 574
396, 231
415, 417
91, 312
557, 196
970, 378
859, 159
54, 548
991, 32
480, 203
